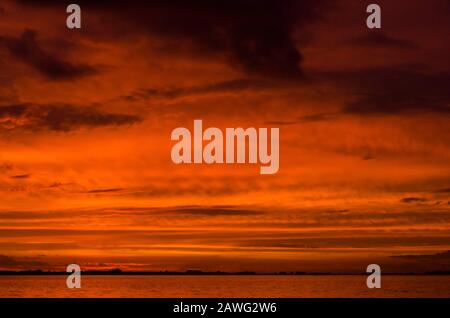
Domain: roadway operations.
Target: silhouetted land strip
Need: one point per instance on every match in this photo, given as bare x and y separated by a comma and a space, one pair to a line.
118, 272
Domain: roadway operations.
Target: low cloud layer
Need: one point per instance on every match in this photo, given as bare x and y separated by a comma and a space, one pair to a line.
58, 117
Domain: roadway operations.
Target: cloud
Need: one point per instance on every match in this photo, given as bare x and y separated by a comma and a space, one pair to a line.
438, 256
307, 119
254, 36
368, 241
105, 190
58, 117
21, 176
27, 50
382, 40
392, 90
230, 86
7, 261
214, 211
423, 216
443, 190
412, 200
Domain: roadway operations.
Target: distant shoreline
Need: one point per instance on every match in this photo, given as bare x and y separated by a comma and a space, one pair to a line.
118, 272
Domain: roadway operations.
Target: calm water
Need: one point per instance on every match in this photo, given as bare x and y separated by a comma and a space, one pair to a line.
225, 286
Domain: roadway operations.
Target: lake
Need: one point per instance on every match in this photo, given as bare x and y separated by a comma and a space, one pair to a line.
276, 286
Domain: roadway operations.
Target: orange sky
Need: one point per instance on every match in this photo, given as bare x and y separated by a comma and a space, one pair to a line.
86, 116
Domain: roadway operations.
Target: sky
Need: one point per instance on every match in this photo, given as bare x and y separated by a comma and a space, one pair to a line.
86, 117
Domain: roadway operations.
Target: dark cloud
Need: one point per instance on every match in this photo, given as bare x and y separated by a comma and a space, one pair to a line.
307, 119
7, 261
317, 117
379, 39
443, 190
58, 117
231, 86
21, 176
429, 215
27, 50
141, 213
413, 199
105, 190
438, 256
214, 211
343, 242
56, 185
367, 157
392, 90
252, 35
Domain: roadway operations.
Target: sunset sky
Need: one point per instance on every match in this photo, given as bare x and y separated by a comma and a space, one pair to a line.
86, 116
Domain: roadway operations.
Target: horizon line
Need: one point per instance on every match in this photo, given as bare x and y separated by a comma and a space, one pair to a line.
119, 272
